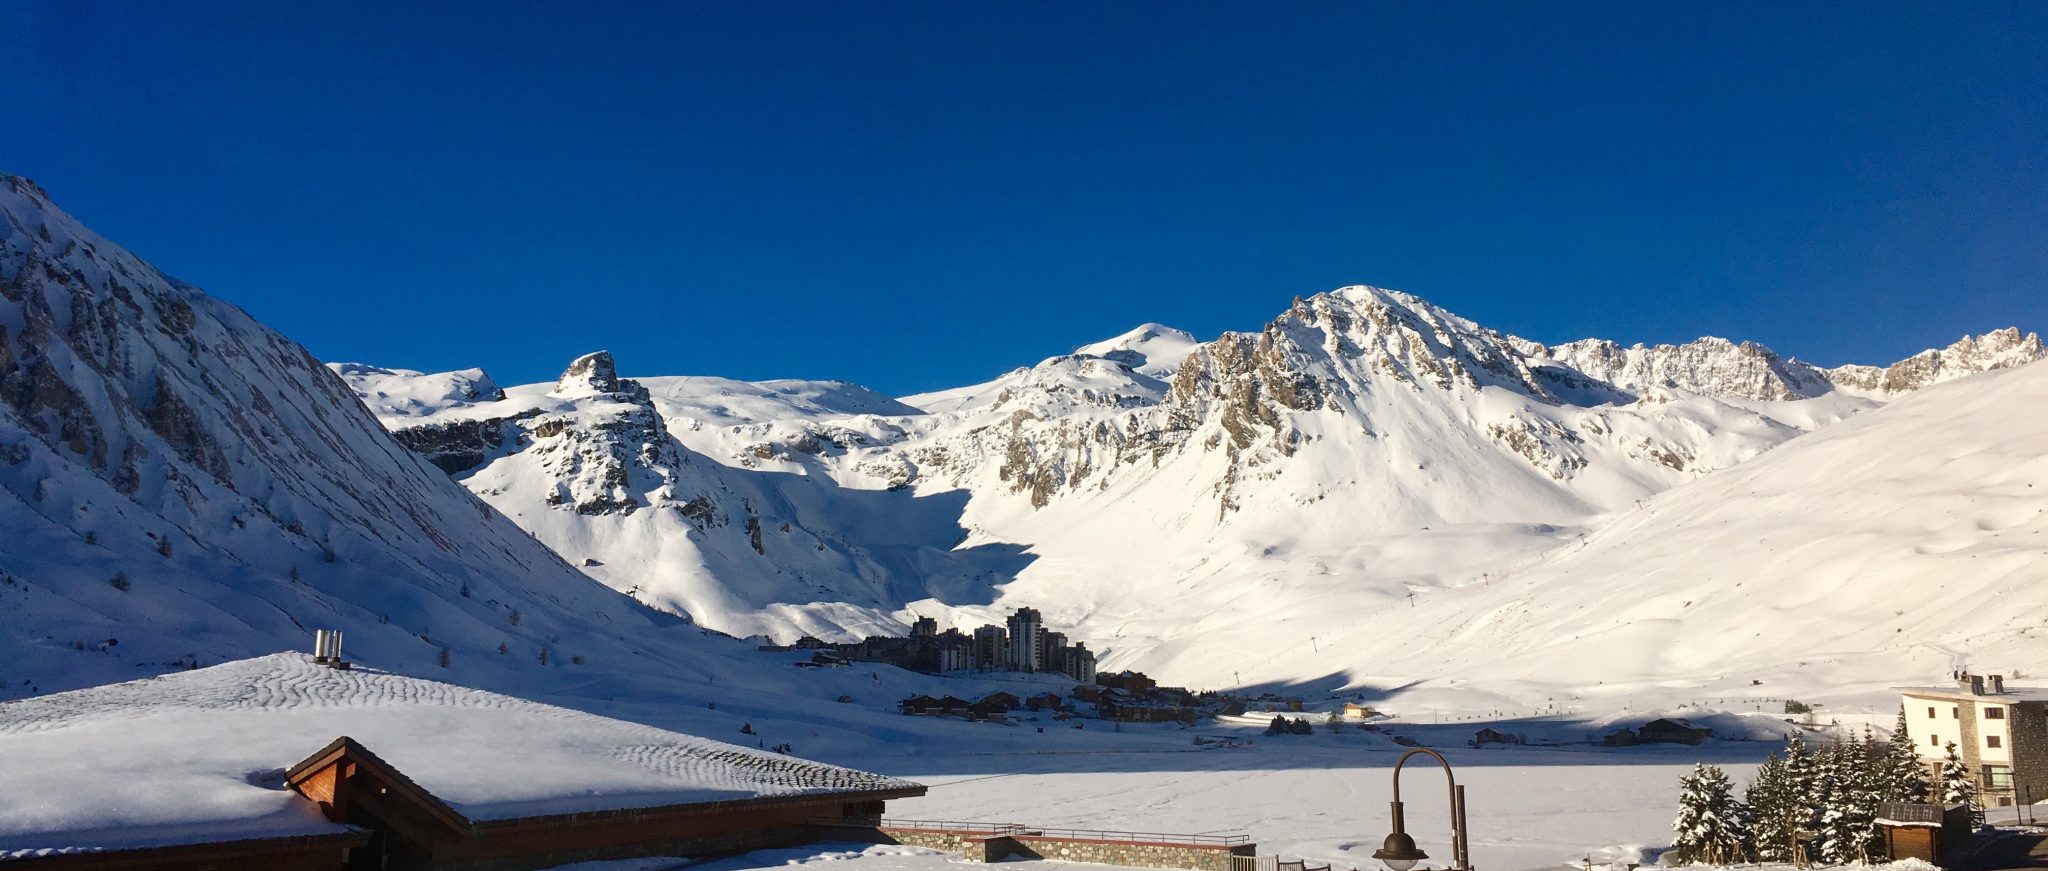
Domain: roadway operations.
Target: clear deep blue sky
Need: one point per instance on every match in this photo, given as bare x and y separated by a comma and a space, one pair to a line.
919, 195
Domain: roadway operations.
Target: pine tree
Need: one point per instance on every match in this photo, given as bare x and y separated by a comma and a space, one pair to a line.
1708, 828
1958, 787
1773, 810
1800, 800
1905, 779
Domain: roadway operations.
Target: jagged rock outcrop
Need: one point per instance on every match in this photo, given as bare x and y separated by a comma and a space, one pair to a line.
1998, 349
1708, 366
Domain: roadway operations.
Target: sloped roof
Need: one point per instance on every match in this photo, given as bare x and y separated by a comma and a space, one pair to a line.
201, 756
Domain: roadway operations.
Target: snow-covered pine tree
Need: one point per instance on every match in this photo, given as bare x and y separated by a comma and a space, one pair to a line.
1801, 801
1773, 811
1957, 786
1834, 836
1905, 779
1708, 829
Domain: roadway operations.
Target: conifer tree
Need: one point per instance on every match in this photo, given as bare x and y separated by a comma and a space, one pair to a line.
1708, 828
1958, 787
1772, 811
1905, 779
1800, 800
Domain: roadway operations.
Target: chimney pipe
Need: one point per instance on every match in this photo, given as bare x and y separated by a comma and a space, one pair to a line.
1971, 683
1998, 684
327, 648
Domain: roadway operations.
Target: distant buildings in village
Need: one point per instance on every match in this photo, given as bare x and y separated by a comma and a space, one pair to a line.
1123, 697
1021, 643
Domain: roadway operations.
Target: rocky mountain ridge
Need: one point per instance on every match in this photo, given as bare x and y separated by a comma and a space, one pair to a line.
1363, 402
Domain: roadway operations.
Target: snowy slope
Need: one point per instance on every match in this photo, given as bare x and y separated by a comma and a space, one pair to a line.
594, 467
181, 484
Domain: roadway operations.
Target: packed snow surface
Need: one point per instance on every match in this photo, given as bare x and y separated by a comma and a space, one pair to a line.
202, 754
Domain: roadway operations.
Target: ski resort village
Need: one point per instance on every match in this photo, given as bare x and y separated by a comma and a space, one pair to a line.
900, 436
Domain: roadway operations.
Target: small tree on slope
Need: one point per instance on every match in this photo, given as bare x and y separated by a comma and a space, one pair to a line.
1958, 787
1709, 824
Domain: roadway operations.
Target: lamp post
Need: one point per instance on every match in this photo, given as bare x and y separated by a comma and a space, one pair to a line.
1399, 851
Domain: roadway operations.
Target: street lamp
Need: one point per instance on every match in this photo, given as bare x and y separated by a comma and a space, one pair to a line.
1399, 852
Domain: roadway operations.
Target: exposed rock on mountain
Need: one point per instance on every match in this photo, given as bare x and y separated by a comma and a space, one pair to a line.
1998, 349
179, 483
1710, 366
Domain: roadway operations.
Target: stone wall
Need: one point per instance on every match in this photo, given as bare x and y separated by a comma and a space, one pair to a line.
2028, 725
1125, 853
992, 846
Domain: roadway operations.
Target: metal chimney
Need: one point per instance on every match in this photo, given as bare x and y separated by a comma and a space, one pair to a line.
327, 648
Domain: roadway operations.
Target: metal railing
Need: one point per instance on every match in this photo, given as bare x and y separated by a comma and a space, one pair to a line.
1139, 837
951, 827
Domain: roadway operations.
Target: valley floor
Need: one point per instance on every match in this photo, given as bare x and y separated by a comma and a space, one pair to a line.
1328, 803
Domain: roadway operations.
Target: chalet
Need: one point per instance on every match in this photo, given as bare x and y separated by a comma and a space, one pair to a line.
986, 711
1006, 700
1622, 737
1043, 702
953, 707
279, 762
918, 705
1494, 736
1356, 711
1089, 692
1129, 681
1672, 731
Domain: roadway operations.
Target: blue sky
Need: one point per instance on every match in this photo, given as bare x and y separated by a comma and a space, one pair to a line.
919, 195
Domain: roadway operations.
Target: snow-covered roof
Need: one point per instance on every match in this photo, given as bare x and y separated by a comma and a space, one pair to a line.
200, 756
2010, 695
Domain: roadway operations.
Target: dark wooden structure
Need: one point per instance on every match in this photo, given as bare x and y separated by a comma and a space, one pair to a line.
408, 828
1927, 832
1672, 731
295, 853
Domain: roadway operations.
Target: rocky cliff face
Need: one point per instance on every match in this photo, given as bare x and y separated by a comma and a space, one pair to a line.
1998, 349
1709, 366
177, 476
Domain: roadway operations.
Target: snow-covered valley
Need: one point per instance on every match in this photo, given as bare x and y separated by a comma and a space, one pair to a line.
1369, 499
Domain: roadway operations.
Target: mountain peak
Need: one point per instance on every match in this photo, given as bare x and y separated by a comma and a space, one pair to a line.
1148, 349
594, 372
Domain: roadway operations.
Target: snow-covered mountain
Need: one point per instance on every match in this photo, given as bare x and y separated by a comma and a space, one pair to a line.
180, 484
1369, 488
1179, 502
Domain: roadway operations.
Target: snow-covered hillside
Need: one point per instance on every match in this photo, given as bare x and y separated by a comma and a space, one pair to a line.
180, 484
1201, 509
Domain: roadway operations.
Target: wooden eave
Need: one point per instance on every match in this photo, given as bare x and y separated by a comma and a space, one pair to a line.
245, 850
347, 748
706, 807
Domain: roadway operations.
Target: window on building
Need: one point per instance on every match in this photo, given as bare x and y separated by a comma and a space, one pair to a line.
1930, 712
1955, 713
1994, 713
1934, 740
1997, 777
1992, 741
